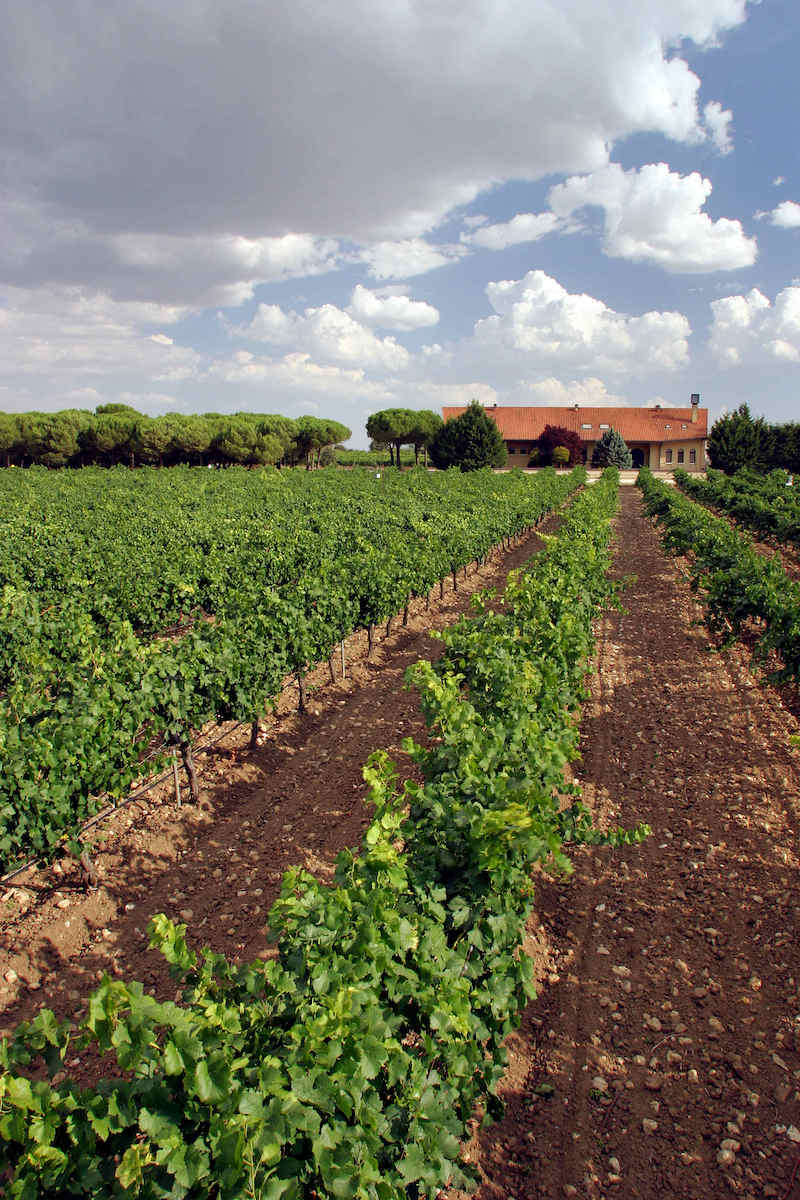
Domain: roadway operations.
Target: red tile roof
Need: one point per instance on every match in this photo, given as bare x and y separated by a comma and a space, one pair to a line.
635, 424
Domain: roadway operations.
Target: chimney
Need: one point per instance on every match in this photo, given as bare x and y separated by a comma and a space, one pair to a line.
658, 408
695, 405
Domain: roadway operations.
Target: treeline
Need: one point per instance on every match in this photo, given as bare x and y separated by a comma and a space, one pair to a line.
117, 434
740, 440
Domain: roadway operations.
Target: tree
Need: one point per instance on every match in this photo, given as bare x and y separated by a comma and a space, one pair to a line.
612, 451
469, 442
9, 437
556, 435
55, 437
240, 442
191, 439
424, 427
283, 428
151, 438
110, 437
736, 440
313, 433
393, 426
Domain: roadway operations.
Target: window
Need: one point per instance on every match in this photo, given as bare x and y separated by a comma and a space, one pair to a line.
681, 456
668, 427
683, 426
588, 427
668, 456
605, 426
693, 456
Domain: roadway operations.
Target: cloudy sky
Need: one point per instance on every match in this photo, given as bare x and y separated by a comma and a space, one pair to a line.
216, 205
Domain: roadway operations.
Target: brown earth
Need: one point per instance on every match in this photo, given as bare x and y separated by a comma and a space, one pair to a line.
662, 1056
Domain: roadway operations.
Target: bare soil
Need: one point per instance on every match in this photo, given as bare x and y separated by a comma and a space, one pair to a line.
662, 1055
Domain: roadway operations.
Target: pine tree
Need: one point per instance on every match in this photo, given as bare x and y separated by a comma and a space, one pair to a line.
469, 442
612, 451
736, 441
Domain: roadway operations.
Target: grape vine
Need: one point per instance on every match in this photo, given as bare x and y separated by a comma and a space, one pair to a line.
349, 1065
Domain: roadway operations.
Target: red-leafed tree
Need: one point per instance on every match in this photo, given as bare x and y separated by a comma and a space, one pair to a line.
555, 435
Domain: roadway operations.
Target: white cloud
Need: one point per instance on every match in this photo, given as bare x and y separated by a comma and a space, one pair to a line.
590, 392
154, 403
402, 259
750, 330
786, 215
654, 215
717, 120
536, 318
63, 333
524, 227
391, 311
326, 333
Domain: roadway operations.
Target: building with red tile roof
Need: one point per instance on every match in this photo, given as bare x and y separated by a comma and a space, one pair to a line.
658, 437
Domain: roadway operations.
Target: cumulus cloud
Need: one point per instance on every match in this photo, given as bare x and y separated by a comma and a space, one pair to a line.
411, 256
524, 227
750, 330
591, 392
327, 334
717, 121
786, 215
389, 310
654, 215
535, 317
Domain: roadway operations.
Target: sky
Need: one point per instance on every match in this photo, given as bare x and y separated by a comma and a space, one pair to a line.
222, 205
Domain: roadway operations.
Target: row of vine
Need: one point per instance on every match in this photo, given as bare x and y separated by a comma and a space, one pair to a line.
769, 505
741, 589
86, 699
349, 1065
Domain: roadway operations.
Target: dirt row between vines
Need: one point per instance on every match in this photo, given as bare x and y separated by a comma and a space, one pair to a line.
662, 1056
297, 799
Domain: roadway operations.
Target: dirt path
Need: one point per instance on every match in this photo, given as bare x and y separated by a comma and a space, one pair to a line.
662, 1057
296, 799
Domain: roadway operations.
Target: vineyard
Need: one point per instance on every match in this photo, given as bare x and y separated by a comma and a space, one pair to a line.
350, 1064
352, 1048
769, 505
741, 589
137, 607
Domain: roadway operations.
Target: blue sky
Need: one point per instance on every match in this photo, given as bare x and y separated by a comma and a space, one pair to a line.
330, 210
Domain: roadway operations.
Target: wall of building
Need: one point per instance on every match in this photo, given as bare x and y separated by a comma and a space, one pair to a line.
670, 453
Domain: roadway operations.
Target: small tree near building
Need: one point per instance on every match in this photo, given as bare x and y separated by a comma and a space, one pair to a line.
612, 451
469, 442
553, 436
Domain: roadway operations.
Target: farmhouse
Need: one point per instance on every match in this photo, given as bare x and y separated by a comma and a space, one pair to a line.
660, 438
